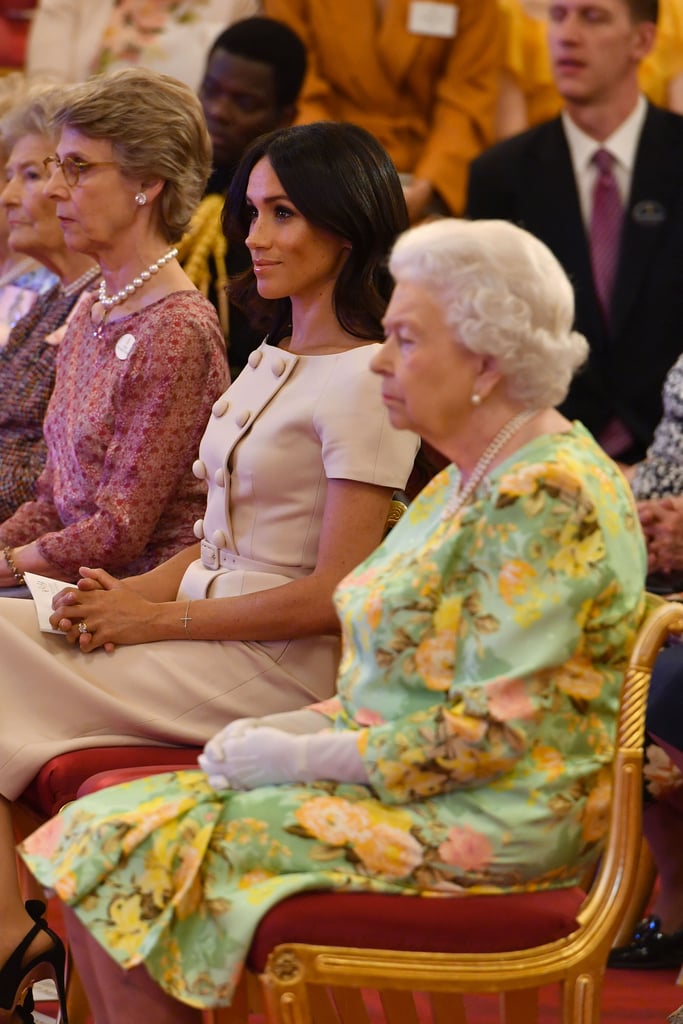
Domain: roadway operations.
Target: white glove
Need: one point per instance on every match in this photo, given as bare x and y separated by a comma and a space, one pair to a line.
301, 721
260, 757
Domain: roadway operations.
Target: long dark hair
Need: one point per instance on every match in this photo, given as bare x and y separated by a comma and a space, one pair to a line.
340, 179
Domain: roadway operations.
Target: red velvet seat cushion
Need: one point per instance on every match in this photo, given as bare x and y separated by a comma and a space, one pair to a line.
59, 779
469, 924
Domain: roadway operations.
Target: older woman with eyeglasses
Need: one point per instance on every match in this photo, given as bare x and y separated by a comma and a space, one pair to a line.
28, 344
143, 359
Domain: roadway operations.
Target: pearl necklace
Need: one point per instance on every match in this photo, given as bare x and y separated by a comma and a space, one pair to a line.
89, 275
461, 496
145, 275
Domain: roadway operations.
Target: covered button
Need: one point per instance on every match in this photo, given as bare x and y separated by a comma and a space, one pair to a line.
199, 469
219, 476
198, 529
255, 358
220, 406
278, 367
242, 418
219, 539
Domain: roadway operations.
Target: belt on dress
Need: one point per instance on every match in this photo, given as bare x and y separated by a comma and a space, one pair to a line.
214, 557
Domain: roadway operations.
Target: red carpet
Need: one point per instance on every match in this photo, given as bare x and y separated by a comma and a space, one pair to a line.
646, 997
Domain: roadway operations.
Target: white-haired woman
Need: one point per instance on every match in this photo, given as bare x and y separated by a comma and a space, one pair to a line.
485, 643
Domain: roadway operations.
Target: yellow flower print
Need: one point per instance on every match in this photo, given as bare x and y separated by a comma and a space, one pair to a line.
244, 830
332, 819
66, 886
155, 879
127, 925
575, 556
514, 579
373, 608
190, 900
595, 815
434, 661
379, 814
262, 891
466, 849
254, 877
150, 816
465, 727
406, 782
385, 850
522, 480
447, 615
578, 679
549, 761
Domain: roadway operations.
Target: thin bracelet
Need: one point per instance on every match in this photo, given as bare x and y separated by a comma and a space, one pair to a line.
11, 565
187, 619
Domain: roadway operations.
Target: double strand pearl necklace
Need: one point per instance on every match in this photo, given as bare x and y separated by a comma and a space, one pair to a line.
461, 496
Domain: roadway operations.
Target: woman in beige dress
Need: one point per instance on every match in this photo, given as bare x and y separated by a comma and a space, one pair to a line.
300, 461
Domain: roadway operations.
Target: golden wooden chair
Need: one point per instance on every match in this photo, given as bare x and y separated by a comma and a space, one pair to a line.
306, 983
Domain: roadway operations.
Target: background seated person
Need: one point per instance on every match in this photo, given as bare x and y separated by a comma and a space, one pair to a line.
421, 78
28, 352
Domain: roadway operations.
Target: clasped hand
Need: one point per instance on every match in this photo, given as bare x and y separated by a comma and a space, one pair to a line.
113, 613
662, 523
243, 756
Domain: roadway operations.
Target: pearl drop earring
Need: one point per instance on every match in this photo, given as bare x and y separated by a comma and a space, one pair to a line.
140, 198
476, 399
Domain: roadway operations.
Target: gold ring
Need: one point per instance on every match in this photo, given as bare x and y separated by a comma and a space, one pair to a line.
82, 628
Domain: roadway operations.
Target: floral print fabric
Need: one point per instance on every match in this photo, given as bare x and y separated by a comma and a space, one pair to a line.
483, 660
661, 471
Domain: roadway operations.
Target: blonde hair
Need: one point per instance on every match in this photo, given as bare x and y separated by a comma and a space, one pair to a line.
156, 127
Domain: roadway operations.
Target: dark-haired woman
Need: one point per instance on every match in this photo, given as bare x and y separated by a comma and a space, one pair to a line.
300, 461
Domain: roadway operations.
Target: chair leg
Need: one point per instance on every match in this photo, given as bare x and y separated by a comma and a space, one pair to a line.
640, 895
581, 997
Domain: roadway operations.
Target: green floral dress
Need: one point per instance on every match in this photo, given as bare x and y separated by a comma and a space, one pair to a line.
483, 659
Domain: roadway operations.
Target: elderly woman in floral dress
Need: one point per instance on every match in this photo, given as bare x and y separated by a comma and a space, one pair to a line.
470, 743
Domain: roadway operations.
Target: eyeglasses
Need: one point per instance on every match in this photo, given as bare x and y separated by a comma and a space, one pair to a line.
72, 168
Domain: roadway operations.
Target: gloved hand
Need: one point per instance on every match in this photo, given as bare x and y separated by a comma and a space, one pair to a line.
302, 721
260, 757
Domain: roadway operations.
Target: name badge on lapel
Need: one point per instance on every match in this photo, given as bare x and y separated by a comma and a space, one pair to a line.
426, 18
124, 346
649, 213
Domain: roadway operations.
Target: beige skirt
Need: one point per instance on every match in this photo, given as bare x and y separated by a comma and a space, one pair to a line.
55, 698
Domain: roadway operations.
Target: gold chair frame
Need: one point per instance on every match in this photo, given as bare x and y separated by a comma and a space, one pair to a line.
307, 984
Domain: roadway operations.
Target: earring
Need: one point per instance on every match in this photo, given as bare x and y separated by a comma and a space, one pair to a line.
475, 399
140, 198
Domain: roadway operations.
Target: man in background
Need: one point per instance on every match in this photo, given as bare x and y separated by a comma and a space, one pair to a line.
601, 185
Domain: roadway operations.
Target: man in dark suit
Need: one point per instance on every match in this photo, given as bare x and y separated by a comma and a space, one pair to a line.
544, 180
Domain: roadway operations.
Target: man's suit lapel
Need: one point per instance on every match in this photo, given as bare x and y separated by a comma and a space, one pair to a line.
655, 188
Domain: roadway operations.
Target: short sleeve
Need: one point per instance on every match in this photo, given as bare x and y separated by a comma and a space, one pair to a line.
358, 441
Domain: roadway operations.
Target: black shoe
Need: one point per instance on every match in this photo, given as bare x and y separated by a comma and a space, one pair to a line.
16, 977
650, 948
